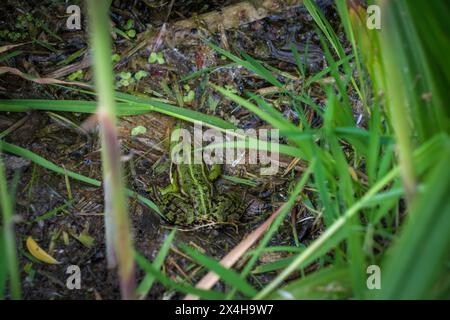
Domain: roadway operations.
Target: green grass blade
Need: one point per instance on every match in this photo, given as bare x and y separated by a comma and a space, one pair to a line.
334, 233
130, 106
336, 279
226, 275
250, 64
277, 222
167, 282
3, 266
45, 163
9, 252
146, 284
418, 261
273, 266
324, 26
53, 167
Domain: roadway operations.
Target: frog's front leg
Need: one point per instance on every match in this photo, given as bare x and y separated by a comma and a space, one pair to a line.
172, 187
215, 172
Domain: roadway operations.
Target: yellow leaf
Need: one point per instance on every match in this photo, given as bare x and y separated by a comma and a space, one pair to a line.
39, 253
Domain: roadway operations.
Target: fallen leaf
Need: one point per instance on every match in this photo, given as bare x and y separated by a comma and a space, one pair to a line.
39, 253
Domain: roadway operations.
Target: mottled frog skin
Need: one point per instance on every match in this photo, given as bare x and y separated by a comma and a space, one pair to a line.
192, 199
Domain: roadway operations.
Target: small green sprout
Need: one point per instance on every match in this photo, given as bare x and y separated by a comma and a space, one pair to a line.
26, 26
129, 28
140, 74
75, 75
213, 103
138, 130
131, 33
190, 94
130, 24
85, 239
156, 57
115, 57
233, 120
125, 75
125, 79
189, 97
230, 88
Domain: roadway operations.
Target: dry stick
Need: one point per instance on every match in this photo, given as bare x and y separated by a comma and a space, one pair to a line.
11, 46
44, 80
208, 281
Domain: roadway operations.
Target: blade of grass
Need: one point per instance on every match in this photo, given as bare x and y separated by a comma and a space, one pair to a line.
146, 284
130, 106
53, 167
51, 213
251, 64
331, 36
346, 193
336, 279
9, 241
405, 276
119, 247
225, 274
343, 13
8, 147
276, 223
167, 282
3, 267
333, 233
324, 26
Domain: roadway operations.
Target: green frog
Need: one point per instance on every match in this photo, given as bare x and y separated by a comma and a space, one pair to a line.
192, 198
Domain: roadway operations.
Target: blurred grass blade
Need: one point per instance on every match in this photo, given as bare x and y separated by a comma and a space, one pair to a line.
225, 274
333, 39
334, 233
417, 264
119, 247
146, 284
166, 281
8, 249
3, 266
336, 279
